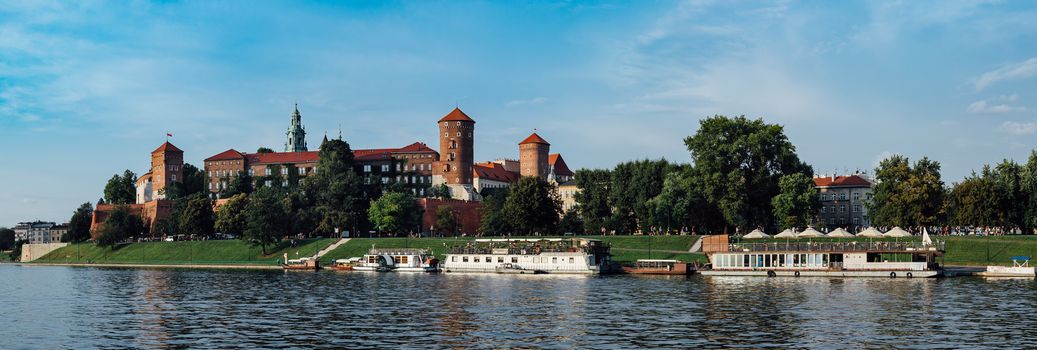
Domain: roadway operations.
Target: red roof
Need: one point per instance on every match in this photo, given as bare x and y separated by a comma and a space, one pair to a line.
373, 154
416, 147
227, 155
167, 147
534, 138
556, 162
456, 115
494, 171
283, 157
841, 181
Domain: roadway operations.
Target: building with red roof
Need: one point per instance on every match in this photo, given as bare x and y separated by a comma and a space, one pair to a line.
843, 200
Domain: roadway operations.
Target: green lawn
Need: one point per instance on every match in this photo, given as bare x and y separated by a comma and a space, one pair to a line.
996, 250
233, 252
625, 249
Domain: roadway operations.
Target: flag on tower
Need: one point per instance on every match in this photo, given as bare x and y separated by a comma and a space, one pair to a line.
169, 135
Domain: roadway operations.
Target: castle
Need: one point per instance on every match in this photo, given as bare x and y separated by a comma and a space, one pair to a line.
167, 162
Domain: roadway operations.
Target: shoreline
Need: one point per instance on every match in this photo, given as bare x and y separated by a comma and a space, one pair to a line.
162, 266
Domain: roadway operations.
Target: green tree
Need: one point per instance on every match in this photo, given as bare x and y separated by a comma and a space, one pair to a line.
6, 238
593, 198
533, 206
682, 205
1007, 176
264, 150
196, 217
192, 182
121, 189
441, 191
446, 220
973, 201
335, 189
633, 185
231, 218
79, 224
265, 218
906, 195
796, 203
494, 222
120, 225
240, 184
741, 161
1028, 184
395, 213
571, 223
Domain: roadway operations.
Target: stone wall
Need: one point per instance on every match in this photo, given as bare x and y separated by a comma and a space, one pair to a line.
32, 252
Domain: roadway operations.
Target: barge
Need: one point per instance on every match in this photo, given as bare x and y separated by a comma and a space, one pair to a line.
659, 267
398, 260
826, 259
532, 256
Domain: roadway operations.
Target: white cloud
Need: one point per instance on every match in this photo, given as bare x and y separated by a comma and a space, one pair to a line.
532, 101
1019, 128
1009, 98
1021, 70
983, 107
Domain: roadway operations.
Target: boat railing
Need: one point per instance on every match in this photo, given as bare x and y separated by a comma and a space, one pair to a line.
906, 247
512, 251
398, 251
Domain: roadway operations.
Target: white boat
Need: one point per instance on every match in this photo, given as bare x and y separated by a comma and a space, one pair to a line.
398, 260
1020, 268
550, 256
837, 259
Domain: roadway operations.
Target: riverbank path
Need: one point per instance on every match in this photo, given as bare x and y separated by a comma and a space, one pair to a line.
332, 247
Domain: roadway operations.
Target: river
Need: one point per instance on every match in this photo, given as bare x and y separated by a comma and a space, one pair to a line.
66, 307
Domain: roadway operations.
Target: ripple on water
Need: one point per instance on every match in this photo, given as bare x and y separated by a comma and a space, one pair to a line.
59, 307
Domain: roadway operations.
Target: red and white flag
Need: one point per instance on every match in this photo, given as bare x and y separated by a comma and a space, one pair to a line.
169, 135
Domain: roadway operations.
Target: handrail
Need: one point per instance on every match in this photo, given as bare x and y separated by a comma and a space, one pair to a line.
834, 247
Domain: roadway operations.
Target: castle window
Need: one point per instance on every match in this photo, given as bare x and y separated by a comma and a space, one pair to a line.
302, 171
385, 180
446, 134
397, 166
385, 168
251, 172
284, 171
446, 168
458, 134
458, 123
268, 172
367, 168
268, 183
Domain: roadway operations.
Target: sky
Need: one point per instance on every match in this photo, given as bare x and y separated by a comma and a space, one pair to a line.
90, 88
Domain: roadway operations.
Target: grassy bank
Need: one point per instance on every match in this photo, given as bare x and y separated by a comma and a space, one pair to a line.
223, 252
625, 249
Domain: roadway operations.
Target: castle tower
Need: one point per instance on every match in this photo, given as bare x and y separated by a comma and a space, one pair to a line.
167, 163
456, 144
296, 134
533, 153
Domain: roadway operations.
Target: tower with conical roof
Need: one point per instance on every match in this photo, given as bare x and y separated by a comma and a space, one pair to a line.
296, 133
533, 156
456, 154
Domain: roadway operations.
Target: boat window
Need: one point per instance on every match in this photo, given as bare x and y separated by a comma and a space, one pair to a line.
370, 259
453, 259
464, 259
572, 260
514, 259
745, 260
476, 259
781, 260
403, 259
500, 259
554, 260
489, 259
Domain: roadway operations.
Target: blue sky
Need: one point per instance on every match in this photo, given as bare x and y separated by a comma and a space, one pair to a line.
88, 89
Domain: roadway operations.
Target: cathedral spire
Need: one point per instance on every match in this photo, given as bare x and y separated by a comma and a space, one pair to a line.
296, 133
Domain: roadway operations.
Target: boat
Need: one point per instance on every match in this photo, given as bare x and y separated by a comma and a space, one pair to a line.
550, 256
509, 268
398, 260
658, 267
345, 264
834, 259
1020, 268
304, 264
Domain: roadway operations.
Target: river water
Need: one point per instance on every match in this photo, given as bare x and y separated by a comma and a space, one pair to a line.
65, 307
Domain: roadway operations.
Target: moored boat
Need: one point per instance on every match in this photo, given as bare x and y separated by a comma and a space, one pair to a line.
1020, 268
398, 260
345, 264
550, 256
304, 264
658, 267
834, 259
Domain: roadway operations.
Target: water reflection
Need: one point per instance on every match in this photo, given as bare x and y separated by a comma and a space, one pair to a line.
56, 307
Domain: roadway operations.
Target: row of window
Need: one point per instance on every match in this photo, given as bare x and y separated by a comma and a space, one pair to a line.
840, 196
842, 208
413, 167
771, 260
514, 260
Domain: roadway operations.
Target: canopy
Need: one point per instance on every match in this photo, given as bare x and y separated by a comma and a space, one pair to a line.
897, 232
788, 233
756, 234
809, 232
870, 232
926, 240
840, 233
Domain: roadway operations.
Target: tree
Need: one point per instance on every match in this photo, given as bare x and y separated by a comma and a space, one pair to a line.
240, 184
264, 150
796, 202
120, 189
265, 219
1028, 184
120, 225
633, 184
446, 220
196, 217
441, 191
494, 222
532, 206
193, 182
973, 202
6, 238
571, 223
231, 217
395, 212
906, 195
593, 198
335, 189
1007, 178
79, 224
682, 204
741, 161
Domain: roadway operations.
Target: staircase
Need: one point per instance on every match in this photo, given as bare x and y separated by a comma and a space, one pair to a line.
697, 246
332, 247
